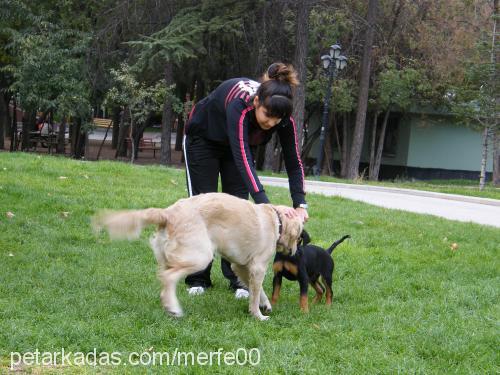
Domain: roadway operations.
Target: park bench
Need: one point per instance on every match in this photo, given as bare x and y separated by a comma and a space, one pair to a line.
102, 122
46, 139
145, 144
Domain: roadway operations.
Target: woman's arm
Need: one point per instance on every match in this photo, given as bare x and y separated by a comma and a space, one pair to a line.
289, 143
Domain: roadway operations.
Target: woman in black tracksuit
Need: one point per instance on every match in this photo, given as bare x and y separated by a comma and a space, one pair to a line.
221, 128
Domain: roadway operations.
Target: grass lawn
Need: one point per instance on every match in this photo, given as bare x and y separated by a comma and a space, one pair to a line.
461, 187
404, 301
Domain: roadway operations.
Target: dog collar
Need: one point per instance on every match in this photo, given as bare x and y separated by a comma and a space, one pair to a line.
280, 225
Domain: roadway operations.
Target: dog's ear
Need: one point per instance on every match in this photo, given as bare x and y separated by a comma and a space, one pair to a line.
306, 239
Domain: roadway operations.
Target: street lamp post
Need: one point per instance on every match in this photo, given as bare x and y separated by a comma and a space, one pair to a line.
332, 63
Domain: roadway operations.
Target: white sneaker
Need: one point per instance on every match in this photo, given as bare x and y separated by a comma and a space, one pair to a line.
241, 294
196, 290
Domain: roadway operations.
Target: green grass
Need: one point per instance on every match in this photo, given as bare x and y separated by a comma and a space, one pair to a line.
404, 302
461, 187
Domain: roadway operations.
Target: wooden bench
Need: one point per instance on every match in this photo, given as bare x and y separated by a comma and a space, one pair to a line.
145, 144
102, 122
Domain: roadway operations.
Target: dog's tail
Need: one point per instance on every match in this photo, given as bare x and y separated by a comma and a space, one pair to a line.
128, 224
336, 243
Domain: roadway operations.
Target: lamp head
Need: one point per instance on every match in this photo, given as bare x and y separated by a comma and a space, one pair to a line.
335, 51
326, 61
342, 62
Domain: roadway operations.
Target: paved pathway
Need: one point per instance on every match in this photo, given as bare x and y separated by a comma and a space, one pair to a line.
450, 206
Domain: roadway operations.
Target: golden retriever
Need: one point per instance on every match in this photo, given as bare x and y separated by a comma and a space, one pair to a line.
193, 229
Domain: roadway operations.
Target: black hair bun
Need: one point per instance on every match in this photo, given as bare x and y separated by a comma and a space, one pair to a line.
283, 73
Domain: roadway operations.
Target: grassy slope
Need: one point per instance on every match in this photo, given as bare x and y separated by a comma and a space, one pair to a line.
403, 301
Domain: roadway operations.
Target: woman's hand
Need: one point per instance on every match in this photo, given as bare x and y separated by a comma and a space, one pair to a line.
296, 212
302, 212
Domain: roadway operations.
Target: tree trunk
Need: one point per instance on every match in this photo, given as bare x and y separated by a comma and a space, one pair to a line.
121, 149
166, 120
262, 56
13, 129
344, 161
270, 153
331, 139
301, 47
278, 160
495, 130
4, 118
27, 127
496, 158
75, 137
484, 159
134, 142
337, 139
307, 146
79, 140
72, 138
86, 144
116, 128
328, 152
359, 129
372, 146
179, 133
61, 137
32, 126
380, 147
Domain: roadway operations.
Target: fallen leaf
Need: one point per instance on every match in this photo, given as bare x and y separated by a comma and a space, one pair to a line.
174, 182
62, 177
316, 326
64, 214
454, 246
10, 215
85, 176
11, 255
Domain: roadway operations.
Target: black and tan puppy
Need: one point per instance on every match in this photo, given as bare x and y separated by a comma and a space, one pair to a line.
307, 265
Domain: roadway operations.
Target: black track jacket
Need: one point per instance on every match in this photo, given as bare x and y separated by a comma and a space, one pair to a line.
226, 115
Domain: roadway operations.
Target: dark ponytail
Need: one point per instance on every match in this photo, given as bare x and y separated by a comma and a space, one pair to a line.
276, 92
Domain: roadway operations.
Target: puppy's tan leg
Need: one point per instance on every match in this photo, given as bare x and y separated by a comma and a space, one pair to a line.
256, 277
329, 295
304, 306
319, 292
277, 280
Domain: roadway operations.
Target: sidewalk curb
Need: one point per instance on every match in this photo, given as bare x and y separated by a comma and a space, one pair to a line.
422, 193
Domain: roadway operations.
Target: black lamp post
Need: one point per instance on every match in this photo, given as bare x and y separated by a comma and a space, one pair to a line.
332, 62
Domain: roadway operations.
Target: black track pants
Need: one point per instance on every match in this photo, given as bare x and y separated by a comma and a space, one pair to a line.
205, 161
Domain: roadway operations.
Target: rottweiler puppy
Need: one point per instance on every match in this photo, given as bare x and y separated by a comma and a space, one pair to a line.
307, 265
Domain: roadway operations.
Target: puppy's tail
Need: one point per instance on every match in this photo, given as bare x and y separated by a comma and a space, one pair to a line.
336, 243
128, 224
